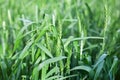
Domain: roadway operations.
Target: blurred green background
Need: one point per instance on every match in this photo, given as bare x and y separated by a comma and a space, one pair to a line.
59, 39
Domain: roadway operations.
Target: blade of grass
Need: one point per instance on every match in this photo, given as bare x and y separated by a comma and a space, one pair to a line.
44, 49
25, 52
85, 68
52, 71
4, 70
99, 69
102, 57
48, 61
77, 39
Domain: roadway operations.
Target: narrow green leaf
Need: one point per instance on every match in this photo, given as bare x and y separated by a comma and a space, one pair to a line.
90, 37
24, 52
90, 47
67, 41
41, 33
70, 76
52, 71
99, 69
114, 68
38, 60
48, 61
54, 78
44, 49
102, 57
35, 74
4, 70
71, 39
23, 29
85, 68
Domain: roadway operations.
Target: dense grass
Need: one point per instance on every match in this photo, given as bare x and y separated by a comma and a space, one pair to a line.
59, 40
